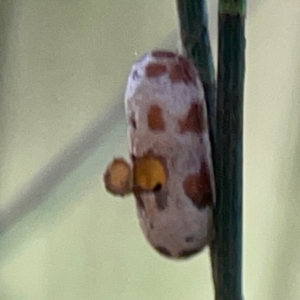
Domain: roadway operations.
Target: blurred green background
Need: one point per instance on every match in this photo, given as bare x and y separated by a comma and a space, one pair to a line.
64, 66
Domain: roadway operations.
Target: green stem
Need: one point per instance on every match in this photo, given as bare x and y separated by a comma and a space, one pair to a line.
227, 246
195, 40
226, 129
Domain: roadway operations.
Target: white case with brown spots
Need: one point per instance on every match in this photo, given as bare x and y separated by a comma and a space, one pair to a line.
167, 118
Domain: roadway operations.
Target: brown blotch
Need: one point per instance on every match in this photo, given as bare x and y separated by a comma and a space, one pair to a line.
163, 250
206, 185
189, 239
155, 70
194, 120
198, 188
176, 73
163, 54
182, 72
188, 71
188, 252
155, 118
191, 187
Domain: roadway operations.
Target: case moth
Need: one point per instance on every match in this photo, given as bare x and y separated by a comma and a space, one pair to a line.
171, 172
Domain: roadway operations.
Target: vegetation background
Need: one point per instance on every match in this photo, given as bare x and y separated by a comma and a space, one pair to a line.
64, 65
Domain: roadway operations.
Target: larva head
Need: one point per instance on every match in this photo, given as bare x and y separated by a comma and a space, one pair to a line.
149, 173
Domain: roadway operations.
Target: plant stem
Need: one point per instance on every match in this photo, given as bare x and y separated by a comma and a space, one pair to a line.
226, 129
227, 246
195, 40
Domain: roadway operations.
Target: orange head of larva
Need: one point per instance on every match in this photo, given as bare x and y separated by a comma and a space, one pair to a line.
149, 173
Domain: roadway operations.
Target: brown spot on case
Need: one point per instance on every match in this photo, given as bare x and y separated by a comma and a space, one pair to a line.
182, 72
189, 239
206, 185
163, 54
155, 70
176, 74
188, 71
198, 188
194, 120
155, 118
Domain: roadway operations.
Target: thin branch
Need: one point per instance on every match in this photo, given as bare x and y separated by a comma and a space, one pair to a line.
195, 39
226, 131
196, 43
227, 246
